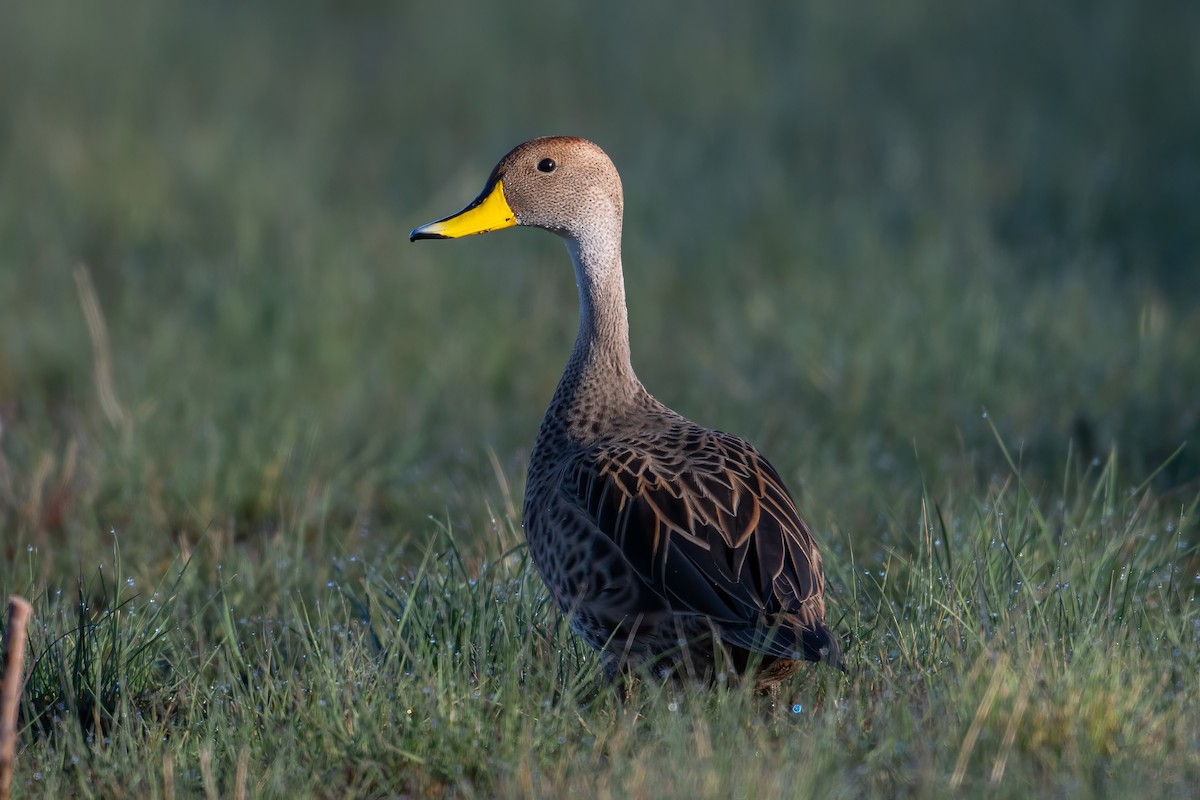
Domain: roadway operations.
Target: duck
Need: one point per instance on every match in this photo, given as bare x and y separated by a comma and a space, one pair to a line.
674, 549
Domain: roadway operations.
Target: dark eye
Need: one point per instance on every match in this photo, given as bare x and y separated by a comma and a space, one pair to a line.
546, 165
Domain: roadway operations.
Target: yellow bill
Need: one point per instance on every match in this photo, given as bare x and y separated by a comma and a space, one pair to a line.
488, 212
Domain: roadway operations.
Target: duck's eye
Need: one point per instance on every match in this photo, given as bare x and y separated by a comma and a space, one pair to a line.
546, 165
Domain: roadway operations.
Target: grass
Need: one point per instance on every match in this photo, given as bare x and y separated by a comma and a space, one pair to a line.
260, 459
1002, 644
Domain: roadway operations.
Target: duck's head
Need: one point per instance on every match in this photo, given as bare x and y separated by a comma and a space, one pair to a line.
560, 183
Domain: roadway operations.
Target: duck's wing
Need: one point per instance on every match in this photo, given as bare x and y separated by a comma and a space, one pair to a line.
706, 521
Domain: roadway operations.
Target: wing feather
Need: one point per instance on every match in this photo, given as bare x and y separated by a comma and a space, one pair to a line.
707, 522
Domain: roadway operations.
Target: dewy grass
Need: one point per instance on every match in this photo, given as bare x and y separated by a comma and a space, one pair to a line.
1010, 569
1042, 644
102, 657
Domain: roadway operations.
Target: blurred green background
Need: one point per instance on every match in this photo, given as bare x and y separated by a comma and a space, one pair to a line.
851, 228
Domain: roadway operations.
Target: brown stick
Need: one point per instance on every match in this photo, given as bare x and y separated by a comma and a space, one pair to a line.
19, 612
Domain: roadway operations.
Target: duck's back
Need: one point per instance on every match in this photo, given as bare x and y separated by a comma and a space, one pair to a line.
652, 531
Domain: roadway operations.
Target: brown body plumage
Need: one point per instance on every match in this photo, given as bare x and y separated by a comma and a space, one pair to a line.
671, 546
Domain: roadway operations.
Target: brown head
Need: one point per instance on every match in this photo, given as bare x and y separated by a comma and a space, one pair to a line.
563, 184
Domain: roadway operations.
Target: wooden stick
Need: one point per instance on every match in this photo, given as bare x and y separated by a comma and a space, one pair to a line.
19, 612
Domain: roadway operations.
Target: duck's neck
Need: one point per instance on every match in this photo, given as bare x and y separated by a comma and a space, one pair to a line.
599, 378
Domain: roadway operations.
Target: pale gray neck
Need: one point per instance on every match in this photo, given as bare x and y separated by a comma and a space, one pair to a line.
599, 367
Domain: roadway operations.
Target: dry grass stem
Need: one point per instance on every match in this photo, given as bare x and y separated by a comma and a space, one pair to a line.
101, 349
12, 679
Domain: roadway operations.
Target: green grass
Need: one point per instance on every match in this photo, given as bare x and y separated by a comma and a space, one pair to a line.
940, 265
999, 644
